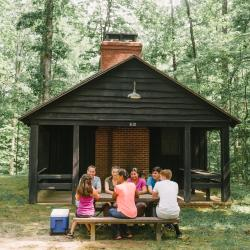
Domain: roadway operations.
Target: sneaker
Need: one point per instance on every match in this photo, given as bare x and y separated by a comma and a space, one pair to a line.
118, 237
70, 236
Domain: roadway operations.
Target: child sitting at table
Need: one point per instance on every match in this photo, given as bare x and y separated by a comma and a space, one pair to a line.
110, 183
125, 194
85, 194
155, 177
141, 188
167, 191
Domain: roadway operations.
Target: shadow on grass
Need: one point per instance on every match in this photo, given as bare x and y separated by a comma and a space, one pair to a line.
209, 218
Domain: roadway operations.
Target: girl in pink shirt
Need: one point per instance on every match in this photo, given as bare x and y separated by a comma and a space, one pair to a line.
139, 182
141, 188
125, 194
85, 194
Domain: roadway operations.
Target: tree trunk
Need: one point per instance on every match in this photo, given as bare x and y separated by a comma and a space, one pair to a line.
225, 90
224, 12
107, 19
18, 57
13, 147
12, 164
194, 51
46, 53
104, 28
173, 40
245, 137
17, 147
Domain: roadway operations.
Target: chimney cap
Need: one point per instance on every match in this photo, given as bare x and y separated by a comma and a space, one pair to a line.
121, 37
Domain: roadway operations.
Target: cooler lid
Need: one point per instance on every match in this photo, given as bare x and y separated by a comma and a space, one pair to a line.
60, 212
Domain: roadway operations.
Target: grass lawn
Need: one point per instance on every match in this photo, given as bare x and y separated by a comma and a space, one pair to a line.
24, 226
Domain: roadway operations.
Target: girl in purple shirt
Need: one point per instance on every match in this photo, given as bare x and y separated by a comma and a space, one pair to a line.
139, 182
141, 188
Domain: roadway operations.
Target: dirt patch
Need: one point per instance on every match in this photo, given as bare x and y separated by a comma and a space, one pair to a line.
27, 243
60, 242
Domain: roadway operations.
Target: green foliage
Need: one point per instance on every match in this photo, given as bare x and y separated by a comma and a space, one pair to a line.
31, 20
78, 29
213, 142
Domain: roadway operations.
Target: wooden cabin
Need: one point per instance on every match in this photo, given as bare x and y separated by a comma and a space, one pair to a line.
128, 114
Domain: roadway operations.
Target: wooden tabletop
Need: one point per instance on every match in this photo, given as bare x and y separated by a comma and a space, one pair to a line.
142, 198
199, 173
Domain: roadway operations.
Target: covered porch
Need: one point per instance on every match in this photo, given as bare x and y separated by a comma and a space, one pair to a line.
60, 154
100, 121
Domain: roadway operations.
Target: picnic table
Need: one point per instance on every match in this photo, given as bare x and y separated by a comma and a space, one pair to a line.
203, 179
158, 222
202, 174
142, 198
147, 198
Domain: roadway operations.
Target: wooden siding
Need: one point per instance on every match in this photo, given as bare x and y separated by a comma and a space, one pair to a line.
105, 99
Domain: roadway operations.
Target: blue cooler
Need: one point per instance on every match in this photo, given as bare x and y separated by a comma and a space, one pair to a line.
59, 221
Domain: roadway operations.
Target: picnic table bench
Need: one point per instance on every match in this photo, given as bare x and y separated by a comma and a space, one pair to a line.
202, 179
92, 221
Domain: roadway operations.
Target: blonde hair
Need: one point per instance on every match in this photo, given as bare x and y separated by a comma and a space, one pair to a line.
166, 173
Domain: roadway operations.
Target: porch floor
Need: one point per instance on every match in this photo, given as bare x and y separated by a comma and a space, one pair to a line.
197, 200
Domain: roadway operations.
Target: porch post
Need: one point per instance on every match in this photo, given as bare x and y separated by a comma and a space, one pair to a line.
225, 167
187, 164
33, 163
205, 149
75, 170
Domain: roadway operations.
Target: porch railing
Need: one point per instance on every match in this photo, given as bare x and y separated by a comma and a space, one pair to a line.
54, 181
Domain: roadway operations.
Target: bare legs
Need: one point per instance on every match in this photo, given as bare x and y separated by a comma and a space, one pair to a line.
73, 226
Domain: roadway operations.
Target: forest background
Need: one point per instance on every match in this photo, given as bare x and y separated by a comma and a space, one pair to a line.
47, 46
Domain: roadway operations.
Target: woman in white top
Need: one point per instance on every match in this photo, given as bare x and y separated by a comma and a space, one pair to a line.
167, 191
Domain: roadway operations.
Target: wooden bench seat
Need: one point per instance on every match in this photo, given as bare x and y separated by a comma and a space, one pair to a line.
204, 180
138, 220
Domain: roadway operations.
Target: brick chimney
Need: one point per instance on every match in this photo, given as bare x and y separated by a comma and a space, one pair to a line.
118, 47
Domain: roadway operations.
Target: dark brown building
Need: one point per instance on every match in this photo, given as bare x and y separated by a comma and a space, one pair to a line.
100, 121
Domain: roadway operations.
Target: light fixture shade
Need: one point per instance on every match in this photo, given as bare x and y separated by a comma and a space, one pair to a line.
134, 95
